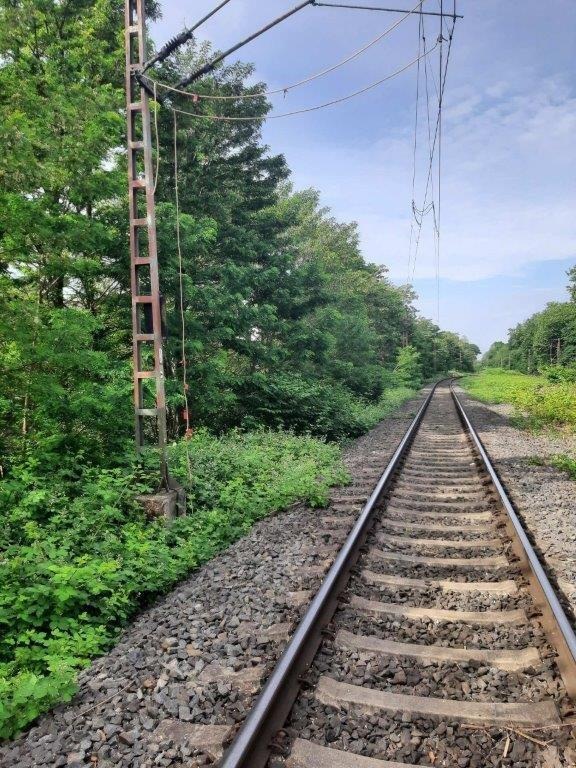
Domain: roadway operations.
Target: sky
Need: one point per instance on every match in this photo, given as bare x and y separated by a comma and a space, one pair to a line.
508, 213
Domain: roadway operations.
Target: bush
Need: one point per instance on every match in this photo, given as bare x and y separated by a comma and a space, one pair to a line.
326, 409
565, 463
408, 370
559, 373
80, 557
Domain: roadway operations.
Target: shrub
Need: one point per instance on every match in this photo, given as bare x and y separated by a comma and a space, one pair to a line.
79, 557
321, 408
408, 370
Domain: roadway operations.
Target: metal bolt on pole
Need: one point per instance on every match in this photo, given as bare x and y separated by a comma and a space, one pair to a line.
147, 343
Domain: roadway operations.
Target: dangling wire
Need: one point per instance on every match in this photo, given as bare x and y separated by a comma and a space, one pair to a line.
440, 98
414, 149
188, 433
433, 142
157, 140
262, 118
419, 214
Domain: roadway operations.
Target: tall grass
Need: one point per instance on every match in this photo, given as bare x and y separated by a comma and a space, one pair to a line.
538, 401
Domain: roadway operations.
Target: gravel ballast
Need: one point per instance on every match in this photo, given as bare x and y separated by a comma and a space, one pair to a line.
398, 658
184, 674
543, 496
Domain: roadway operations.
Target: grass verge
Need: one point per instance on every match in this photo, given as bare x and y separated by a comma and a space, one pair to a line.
538, 402
565, 463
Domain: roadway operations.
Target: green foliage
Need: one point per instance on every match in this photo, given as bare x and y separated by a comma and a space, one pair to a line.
59, 392
565, 463
572, 283
538, 401
559, 373
292, 402
79, 557
408, 370
390, 400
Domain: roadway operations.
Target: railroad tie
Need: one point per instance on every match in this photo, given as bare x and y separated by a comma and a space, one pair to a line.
494, 561
513, 660
388, 538
371, 701
507, 587
375, 608
306, 754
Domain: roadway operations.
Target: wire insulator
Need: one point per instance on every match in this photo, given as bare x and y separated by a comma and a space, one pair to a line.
169, 48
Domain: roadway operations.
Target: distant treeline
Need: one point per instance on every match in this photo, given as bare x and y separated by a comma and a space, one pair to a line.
544, 341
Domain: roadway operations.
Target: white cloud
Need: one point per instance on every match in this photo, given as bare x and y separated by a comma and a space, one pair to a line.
508, 184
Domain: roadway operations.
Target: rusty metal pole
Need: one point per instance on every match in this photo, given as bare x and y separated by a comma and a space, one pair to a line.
147, 343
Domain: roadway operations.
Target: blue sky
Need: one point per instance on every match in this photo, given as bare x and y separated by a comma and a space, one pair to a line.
509, 158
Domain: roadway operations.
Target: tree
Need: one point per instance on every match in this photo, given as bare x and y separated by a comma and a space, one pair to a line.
497, 356
408, 369
572, 283
279, 307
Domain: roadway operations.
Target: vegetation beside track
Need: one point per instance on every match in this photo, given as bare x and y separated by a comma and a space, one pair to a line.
565, 463
79, 557
539, 401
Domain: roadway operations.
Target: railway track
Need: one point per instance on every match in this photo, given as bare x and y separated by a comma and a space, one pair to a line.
435, 639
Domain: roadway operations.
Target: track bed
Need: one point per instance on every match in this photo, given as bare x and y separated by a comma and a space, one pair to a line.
438, 652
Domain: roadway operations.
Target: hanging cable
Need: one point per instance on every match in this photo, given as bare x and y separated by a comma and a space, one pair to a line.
415, 147
438, 217
184, 362
157, 141
416, 113
379, 8
285, 89
225, 118
419, 214
429, 180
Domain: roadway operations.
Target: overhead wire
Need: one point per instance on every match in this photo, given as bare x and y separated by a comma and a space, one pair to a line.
376, 8
426, 208
340, 100
285, 89
429, 180
209, 66
417, 213
439, 211
414, 148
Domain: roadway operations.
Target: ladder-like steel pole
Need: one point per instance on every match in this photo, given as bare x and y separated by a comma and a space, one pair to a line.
147, 342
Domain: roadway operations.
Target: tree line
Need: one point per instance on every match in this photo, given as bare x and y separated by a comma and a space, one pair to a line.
286, 325
546, 341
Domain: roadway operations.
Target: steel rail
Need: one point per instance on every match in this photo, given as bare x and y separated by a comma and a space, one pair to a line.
250, 748
555, 621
